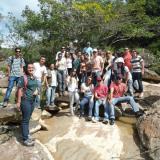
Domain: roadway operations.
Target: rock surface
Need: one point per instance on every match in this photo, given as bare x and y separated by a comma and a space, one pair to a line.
151, 76
148, 128
4, 82
10, 115
16, 151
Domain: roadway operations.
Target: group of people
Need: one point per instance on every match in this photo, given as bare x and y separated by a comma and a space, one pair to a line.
92, 78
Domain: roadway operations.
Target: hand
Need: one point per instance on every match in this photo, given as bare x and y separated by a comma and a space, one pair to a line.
18, 106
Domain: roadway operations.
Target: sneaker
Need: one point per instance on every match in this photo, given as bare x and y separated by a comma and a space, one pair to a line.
94, 120
89, 118
31, 138
141, 95
5, 104
112, 121
105, 121
28, 143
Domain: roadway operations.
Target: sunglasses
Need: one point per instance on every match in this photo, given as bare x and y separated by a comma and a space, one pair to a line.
18, 51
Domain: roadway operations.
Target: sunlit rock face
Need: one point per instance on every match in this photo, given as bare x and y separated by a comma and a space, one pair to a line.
86, 140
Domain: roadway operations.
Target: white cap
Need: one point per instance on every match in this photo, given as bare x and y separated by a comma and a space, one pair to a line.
119, 60
95, 50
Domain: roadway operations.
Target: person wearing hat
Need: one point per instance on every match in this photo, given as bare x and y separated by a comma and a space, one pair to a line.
117, 90
88, 50
97, 66
100, 95
62, 52
61, 65
124, 71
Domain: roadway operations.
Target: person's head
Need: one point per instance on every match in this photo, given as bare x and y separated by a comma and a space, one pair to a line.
108, 54
119, 61
89, 80
74, 56
52, 66
67, 55
88, 44
17, 52
42, 60
30, 69
99, 80
79, 54
95, 52
73, 73
126, 50
134, 53
82, 57
62, 49
59, 56
119, 79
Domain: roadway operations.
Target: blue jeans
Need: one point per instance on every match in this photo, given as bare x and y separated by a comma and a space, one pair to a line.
12, 79
95, 74
107, 77
130, 87
127, 99
27, 107
83, 102
108, 109
50, 94
61, 75
38, 97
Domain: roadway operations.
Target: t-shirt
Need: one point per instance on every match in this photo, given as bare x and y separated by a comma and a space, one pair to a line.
127, 60
16, 65
96, 63
72, 84
126, 71
88, 50
31, 86
52, 77
62, 64
39, 71
101, 90
119, 89
69, 62
136, 64
88, 90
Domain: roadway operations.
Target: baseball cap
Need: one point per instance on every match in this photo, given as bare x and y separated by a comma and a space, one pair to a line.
119, 60
95, 50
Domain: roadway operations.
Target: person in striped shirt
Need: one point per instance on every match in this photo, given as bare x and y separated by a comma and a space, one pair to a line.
137, 72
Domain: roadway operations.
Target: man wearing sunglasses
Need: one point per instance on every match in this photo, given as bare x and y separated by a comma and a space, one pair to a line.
15, 66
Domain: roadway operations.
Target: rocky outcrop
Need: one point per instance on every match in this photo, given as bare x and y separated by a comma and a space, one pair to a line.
10, 115
16, 151
151, 76
148, 128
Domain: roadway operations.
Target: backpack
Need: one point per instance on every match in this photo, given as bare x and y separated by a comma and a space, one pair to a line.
24, 88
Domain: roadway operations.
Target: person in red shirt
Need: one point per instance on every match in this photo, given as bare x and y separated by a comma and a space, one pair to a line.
100, 95
127, 58
117, 90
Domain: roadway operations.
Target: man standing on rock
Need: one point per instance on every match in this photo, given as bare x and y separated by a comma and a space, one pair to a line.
14, 72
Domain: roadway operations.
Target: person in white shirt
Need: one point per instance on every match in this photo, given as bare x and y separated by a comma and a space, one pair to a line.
40, 73
69, 62
62, 52
61, 65
51, 83
72, 84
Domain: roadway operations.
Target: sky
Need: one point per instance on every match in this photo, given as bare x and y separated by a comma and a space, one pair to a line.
16, 7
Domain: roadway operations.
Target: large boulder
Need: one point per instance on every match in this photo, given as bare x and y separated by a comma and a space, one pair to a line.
16, 151
10, 115
151, 76
148, 128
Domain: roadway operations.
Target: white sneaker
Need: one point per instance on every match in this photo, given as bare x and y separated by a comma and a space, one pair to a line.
94, 120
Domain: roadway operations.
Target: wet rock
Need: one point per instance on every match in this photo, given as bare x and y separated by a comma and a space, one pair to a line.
148, 128
151, 76
10, 115
45, 115
52, 109
34, 126
16, 151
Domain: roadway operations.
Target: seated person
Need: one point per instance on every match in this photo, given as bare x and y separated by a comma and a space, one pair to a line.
117, 90
87, 90
100, 95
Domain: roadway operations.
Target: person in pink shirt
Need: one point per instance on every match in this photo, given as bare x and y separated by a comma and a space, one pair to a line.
100, 95
97, 66
117, 90
127, 58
